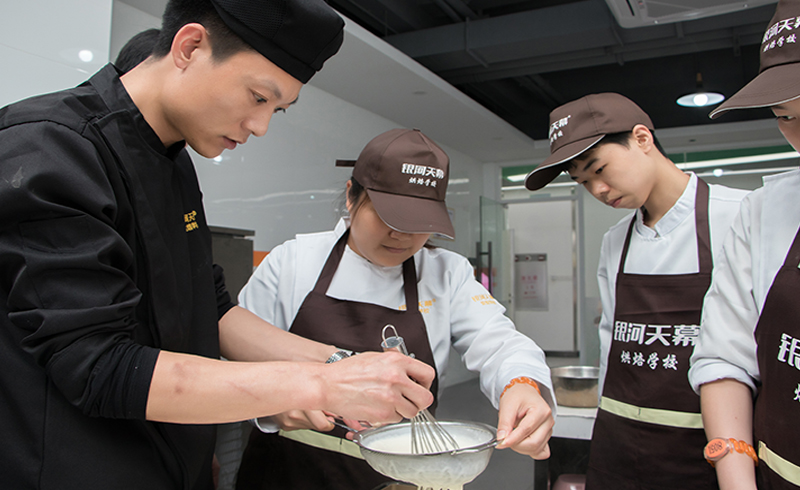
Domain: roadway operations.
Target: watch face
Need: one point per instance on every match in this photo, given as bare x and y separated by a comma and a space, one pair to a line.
716, 449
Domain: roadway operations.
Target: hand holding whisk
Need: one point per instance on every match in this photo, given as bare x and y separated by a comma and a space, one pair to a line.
427, 435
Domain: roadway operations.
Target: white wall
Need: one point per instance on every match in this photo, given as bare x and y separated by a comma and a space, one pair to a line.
40, 41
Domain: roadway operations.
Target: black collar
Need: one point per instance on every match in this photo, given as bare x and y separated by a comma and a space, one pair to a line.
112, 91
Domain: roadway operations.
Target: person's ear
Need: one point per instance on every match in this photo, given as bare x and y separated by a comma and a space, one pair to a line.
186, 43
347, 201
643, 138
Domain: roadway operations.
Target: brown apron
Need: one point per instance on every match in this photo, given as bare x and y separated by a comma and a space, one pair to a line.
778, 403
274, 462
648, 433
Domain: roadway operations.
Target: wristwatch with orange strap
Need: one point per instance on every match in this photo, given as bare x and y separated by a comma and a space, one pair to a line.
718, 448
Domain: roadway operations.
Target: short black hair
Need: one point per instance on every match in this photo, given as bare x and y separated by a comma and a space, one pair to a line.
622, 139
136, 50
224, 42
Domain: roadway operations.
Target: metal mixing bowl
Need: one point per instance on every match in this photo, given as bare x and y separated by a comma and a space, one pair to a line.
388, 450
575, 386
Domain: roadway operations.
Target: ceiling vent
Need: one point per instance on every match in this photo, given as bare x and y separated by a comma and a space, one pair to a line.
639, 13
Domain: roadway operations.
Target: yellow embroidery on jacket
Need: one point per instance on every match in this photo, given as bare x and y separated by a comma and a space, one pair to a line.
191, 221
424, 306
484, 299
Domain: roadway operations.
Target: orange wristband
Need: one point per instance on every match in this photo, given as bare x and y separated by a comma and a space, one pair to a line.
717, 448
521, 379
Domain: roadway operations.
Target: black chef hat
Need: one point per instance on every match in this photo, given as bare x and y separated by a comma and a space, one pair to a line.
296, 35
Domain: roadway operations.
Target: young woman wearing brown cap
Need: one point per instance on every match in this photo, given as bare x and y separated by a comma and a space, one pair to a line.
343, 286
746, 365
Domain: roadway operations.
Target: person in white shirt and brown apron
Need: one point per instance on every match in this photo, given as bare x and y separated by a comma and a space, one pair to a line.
375, 268
655, 268
746, 365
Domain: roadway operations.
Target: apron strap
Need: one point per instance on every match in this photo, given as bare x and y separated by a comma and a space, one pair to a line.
793, 256
331, 264
705, 259
786, 469
323, 441
410, 283
626, 245
669, 418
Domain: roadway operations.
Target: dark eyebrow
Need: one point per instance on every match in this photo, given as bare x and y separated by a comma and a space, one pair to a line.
586, 167
277, 91
273, 88
589, 163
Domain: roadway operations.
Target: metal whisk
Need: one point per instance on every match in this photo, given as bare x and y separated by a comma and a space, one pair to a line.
427, 435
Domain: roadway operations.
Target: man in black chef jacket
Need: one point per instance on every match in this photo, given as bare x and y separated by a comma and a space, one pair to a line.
113, 316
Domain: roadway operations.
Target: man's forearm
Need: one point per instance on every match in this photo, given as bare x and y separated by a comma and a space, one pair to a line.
376, 387
196, 390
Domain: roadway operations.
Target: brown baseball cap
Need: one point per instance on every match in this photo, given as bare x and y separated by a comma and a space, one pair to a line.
405, 174
778, 80
578, 125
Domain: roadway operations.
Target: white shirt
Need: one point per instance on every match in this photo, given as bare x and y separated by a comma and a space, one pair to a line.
670, 247
751, 257
455, 307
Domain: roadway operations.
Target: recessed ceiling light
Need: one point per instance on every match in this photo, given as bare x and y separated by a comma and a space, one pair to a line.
700, 99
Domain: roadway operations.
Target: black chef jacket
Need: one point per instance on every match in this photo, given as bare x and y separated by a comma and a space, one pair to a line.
105, 258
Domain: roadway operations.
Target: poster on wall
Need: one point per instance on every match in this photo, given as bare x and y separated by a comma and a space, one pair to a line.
531, 281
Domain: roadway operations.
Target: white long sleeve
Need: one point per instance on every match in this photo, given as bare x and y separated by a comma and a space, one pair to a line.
752, 255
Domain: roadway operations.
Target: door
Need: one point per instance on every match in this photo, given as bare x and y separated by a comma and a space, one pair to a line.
494, 253
546, 258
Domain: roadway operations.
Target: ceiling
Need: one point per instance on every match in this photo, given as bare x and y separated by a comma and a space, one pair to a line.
520, 58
